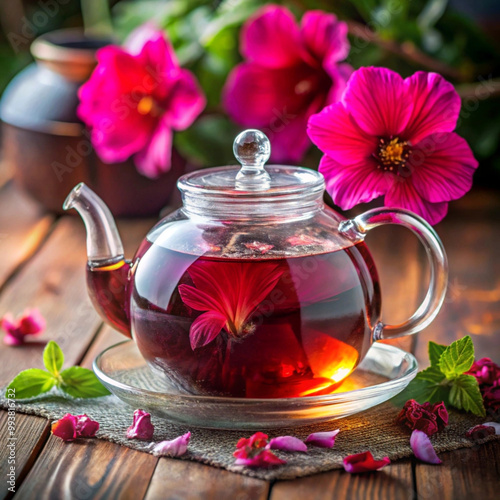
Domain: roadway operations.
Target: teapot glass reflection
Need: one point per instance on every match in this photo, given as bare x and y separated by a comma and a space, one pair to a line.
254, 288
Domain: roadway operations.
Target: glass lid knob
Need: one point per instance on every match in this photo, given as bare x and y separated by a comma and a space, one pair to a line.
252, 149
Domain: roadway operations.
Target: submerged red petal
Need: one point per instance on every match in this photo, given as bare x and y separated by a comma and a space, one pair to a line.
364, 462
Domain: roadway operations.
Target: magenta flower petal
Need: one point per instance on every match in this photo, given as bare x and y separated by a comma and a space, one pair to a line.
336, 134
31, 323
324, 36
436, 106
322, 439
443, 166
205, 328
174, 448
364, 462
155, 157
377, 99
287, 443
271, 38
141, 428
136, 40
485, 371
86, 427
264, 458
403, 194
422, 447
353, 184
65, 427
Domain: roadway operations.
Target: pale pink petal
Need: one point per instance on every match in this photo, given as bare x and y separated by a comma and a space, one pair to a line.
136, 40
141, 428
322, 439
205, 328
271, 38
32, 322
324, 36
377, 99
442, 166
336, 134
340, 74
156, 157
403, 194
436, 106
422, 447
287, 443
186, 101
174, 448
349, 185
364, 462
13, 340
265, 458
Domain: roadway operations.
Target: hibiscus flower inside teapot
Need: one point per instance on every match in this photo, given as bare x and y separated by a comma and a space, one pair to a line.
254, 288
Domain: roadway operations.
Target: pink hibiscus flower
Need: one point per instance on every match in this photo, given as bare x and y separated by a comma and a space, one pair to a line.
289, 73
394, 137
135, 98
228, 294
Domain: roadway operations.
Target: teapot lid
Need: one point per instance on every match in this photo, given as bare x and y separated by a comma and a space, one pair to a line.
250, 182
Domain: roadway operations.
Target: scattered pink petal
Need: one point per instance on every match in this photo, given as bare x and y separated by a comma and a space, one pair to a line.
364, 462
259, 247
422, 447
86, 427
495, 426
141, 428
485, 371
322, 439
30, 323
426, 417
480, 431
174, 448
65, 427
264, 458
287, 443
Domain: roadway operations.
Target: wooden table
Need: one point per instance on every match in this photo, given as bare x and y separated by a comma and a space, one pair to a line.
42, 265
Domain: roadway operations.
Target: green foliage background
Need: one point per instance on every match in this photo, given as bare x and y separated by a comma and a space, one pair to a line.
451, 36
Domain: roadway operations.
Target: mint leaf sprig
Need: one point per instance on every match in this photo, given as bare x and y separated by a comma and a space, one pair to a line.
446, 380
76, 381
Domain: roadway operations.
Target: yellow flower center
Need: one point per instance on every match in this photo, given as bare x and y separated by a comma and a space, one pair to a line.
392, 154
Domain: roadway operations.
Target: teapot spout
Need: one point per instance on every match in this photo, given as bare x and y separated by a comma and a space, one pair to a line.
107, 270
103, 240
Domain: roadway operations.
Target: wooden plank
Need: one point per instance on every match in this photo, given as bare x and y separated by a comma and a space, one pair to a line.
53, 281
88, 468
464, 474
176, 479
393, 482
471, 304
30, 433
23, 226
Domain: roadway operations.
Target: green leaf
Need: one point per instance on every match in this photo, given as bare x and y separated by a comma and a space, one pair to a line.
435, 351
82, 383
53, 358
30, 383
429, 385
432, 374
465, 395
457, 358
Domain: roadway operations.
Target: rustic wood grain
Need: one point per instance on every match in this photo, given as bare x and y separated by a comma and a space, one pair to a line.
23, 226
87, 469
393, 482
176, 480
469, 473
30, 435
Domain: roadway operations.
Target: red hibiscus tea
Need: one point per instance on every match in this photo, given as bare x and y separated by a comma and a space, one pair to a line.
251, 327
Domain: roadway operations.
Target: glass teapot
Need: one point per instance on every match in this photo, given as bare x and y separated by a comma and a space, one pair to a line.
254, 288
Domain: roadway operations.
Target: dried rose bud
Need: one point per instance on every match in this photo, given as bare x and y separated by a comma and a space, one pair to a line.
86, 427
485, 371
428, 418
480, 432
65, 427
141, 428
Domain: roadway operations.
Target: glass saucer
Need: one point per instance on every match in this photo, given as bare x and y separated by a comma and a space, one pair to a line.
385, 372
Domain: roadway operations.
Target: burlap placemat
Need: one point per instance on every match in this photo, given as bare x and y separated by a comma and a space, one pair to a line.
373, 430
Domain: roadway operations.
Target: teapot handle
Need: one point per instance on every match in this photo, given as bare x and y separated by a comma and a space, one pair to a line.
357, 228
